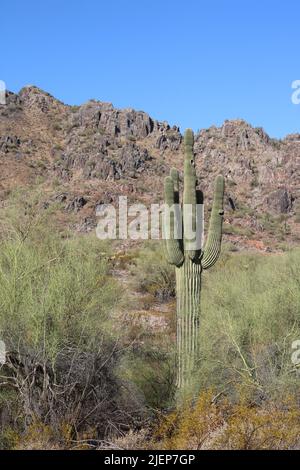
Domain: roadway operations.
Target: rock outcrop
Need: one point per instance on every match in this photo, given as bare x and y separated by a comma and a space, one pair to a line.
115, 151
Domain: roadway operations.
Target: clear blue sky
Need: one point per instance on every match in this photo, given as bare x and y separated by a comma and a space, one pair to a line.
193, 63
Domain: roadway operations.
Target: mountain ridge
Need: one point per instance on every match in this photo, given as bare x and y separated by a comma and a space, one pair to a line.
89, 154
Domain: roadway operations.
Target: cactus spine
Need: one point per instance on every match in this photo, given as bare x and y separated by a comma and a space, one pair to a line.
190, 259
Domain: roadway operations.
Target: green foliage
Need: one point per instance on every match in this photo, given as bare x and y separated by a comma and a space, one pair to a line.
152, 273
250, 318
242, 211
250, 307
275, 225
151, 369
53, 292
58, 310
237, 230
218, 424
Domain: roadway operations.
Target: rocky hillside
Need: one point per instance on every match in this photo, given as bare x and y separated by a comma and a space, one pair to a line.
81, 156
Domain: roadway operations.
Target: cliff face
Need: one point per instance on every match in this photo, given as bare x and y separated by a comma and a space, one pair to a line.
84, 155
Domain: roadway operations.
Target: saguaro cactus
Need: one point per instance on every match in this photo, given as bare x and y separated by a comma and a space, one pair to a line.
190, 258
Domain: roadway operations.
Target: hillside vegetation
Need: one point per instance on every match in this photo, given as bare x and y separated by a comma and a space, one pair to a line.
90, 333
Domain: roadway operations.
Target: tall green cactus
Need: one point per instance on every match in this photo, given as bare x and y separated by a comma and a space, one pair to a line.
190, 258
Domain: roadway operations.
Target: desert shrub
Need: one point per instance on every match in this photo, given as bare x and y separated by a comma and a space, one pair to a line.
190, 426
215, 423
250, 428
58, 319
152, 273
152, 371
237, 230
74, 367
250, 317
275, 225
137, 440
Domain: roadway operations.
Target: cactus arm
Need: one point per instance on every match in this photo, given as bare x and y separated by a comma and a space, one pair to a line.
189, 194
173, 245
175, 177
212, 246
